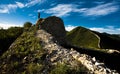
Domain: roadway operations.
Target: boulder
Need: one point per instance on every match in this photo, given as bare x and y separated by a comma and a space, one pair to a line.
55, 26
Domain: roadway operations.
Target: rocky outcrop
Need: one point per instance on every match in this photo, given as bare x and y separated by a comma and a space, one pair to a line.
56, 53
55, 27
91, 63
60, 54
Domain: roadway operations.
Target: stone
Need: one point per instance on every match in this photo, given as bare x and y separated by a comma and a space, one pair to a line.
99, 64
113, 51
94, 59
54, 26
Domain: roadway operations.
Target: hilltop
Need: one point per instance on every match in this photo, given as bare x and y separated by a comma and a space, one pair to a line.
83, 37
86, 38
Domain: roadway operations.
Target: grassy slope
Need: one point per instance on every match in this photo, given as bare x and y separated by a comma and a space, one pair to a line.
26, 56
8, 36
22, 56
83, 37
109, 41
101, 55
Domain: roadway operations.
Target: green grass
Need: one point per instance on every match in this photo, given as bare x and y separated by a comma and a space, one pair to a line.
26, 46
26, 56
91, 40
65, 69
108, 41
8, 36
83, 37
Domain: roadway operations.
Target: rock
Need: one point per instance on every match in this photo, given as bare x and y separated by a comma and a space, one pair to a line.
72, 49
99, 64
55, 26
108, 70
113, 51
25, 58
94, 59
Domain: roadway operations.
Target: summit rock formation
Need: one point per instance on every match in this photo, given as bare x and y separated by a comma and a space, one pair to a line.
55, 26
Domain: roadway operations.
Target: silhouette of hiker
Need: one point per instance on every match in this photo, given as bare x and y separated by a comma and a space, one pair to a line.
38, 15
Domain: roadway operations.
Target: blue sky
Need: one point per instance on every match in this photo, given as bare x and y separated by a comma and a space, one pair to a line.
98, 15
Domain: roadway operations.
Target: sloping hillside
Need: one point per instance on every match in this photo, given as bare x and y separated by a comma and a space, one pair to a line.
83, 37
108, 41
22, 56
8, 36
40, 52
27, 56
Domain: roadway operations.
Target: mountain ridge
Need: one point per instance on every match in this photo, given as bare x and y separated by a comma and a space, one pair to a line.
81, 36
103, 40
42, 54
39, 51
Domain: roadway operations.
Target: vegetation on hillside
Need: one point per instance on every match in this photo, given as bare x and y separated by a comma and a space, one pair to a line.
7, 36
65, 69
24, 56
27, 24
83, 38
86, 38
108, 41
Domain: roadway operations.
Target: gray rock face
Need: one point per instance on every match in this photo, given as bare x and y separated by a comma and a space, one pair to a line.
55, 27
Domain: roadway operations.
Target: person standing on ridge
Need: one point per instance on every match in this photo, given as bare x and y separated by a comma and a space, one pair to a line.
38, 15
38, 21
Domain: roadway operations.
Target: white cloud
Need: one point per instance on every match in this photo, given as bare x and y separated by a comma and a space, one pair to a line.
60, 10
69, 27
6, 25
33, 16
110, 27
30, 15
7, 8
4, 10
53, 4
99, 2
12, 7
40, 10
107, 30
101, 10
33, 2
20, 5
